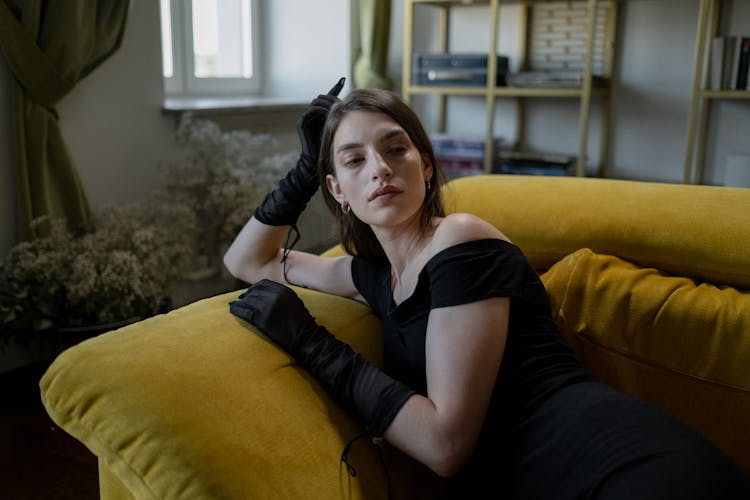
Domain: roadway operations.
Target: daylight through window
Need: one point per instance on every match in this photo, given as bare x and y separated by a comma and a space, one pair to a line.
210, 47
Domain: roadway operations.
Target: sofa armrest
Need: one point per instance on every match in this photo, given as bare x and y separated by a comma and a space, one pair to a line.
198, 404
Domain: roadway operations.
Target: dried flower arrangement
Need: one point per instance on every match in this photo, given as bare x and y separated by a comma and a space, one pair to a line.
124, 269
223, 176
127, 267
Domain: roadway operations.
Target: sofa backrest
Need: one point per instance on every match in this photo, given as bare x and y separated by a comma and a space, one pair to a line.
702, 232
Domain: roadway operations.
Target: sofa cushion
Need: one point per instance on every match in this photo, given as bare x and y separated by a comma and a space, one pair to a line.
680, 344
197, 404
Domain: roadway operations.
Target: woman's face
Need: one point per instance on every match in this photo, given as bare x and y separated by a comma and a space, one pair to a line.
379, 171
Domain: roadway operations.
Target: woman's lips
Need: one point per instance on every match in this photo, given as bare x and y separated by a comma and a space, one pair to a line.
385, 193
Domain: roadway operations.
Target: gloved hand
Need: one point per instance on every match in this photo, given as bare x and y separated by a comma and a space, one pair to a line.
310, 124
275, 310
283, 206
360, 387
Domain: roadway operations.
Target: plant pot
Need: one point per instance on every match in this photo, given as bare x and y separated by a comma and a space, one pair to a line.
23, 349
72, 335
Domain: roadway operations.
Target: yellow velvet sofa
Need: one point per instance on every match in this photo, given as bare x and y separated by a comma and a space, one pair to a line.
648, 281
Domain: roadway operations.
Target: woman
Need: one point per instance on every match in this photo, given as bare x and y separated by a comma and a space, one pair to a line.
478, 384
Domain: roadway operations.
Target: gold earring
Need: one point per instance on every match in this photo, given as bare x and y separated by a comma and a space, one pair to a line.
345, 207
428, 184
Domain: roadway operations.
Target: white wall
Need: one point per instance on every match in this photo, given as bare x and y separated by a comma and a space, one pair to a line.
652, 89
311, 44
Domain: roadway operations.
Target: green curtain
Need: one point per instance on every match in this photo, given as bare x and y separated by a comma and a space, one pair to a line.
49, 46
375, 26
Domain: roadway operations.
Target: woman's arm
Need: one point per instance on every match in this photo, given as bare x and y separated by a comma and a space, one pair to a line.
464, 348
256, 254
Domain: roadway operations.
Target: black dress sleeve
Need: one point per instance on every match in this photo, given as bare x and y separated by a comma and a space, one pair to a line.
477, 270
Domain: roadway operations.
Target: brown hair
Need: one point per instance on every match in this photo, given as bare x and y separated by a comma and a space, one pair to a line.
356, 236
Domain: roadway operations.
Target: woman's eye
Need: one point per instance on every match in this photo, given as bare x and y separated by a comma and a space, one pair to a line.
398, 149
353, 161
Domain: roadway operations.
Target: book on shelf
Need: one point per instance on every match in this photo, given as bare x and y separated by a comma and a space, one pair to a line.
729, 63
729, 77
461, 155
454, 167
451, 145
716, 63
743, 64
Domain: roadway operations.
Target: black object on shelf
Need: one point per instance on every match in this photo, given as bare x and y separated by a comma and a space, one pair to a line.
447, 69
530, 163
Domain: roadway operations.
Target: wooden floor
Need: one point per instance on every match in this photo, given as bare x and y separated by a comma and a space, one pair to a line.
38, 460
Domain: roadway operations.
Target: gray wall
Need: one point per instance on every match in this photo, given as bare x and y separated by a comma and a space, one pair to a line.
117, 133
112, 120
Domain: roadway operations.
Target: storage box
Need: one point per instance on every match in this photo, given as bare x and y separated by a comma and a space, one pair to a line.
456, 70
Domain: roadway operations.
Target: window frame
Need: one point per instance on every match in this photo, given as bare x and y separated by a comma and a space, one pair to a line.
183, 83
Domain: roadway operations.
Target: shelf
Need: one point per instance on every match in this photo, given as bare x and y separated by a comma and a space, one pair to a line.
725, 94
491, 93
540, 92
501, 91
452, 90
473, 3
453, 3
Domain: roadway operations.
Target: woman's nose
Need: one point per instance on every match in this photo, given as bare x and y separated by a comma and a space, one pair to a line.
380, 169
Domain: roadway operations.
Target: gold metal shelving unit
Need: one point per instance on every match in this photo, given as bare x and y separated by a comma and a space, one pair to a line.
709, 15
491, 92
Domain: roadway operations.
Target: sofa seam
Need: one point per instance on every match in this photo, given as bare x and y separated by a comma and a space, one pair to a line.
639, 359
563, 302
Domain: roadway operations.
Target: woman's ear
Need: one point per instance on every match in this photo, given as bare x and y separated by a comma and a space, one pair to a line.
427, 169
334, 188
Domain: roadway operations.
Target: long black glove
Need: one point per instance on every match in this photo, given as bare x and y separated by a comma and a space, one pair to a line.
363, 389
283, 206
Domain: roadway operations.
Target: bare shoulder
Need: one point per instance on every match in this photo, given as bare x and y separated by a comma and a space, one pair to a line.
462, 227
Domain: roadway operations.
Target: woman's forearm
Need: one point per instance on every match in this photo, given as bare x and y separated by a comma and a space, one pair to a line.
256, 251
428, 435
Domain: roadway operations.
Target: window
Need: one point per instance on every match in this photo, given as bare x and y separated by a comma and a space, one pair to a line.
210, 47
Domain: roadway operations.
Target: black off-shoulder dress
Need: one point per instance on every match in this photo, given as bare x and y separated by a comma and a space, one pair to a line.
551, 431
